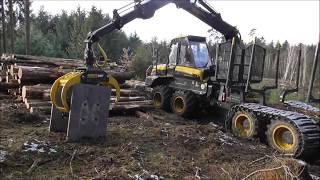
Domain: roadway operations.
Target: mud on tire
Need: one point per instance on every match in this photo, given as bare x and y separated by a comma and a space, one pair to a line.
161, 97
244, 125
284, 137
183, 103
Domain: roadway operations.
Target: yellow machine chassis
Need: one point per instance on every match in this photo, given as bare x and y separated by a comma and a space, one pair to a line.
62, 87
187, 71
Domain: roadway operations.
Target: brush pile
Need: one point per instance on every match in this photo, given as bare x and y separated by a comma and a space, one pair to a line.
29, 79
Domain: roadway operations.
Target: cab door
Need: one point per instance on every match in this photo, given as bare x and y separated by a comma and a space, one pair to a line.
185, 67
173, 57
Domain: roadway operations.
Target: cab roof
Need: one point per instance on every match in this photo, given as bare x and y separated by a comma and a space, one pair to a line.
188, 38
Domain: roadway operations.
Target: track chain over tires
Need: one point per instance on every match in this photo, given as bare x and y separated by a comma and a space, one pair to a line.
161, 97
303, 106
183, 103
244, 124
306, 129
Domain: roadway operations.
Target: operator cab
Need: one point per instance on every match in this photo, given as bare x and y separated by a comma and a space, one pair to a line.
189, 56
190, 51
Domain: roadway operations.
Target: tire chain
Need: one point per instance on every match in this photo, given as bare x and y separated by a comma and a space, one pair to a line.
308, 129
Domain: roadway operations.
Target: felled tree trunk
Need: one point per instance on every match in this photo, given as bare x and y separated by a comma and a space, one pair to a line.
36, 92
36, 75
121, 77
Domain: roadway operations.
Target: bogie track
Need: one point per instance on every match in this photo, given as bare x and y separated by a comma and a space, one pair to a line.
306, 131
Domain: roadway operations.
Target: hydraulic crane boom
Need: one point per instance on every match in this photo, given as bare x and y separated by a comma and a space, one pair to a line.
145, 9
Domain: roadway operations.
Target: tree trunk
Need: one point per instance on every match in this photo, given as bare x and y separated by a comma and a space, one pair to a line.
11, 26
4, 37
27, 19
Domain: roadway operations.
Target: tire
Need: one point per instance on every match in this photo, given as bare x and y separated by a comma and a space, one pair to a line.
283, 137
183, 103
161, 97
244, 125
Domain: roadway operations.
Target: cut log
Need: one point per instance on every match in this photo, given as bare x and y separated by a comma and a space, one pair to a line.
125, 107
2, 78
121, 77
36, 103
36, 75
5, 86
14, 81
127, 92
13, 70
4, 96
40, 91
3, 73
8, 79
146, 102
56, 61
128, 99
144, 115
42, 109
13, 92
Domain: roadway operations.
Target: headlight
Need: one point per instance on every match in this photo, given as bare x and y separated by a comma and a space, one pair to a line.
203, 86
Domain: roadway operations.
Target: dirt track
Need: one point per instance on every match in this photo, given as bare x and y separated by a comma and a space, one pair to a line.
168, 147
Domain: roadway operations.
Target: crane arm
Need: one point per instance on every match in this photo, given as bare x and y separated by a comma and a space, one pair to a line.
145, 9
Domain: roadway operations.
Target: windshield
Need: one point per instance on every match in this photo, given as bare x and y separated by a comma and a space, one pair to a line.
200, 54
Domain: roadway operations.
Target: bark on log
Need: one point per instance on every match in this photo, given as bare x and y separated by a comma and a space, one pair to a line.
144, 115
40, 91
36, 75
5, 86
13, 70
4, 96
14, 81
36, 103
43, 61
127, 92
121, 77
128, 99
42, 109
13, 92
146, 102
57, 61
125, 107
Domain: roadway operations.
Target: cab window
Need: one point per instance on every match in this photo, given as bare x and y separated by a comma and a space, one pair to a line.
173, 54
200, 54
185, 59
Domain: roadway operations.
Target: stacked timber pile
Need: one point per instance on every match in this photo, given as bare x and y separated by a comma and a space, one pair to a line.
29, 78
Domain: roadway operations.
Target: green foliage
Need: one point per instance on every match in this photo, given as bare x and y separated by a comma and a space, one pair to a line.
40, 44
78, 33
142, 60
134, 41
67, 33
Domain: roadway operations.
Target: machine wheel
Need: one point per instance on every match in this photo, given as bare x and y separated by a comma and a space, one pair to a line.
283, 137
183, 103
244, 125
161, 97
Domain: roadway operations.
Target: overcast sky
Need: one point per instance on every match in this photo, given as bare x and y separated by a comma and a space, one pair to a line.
295, 21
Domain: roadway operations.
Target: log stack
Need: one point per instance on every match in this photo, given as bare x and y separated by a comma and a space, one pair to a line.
29, 78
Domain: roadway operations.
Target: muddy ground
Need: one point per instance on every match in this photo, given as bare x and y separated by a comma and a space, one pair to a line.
161, 147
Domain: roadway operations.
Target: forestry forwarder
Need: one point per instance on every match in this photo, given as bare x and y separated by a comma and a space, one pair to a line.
190, 76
